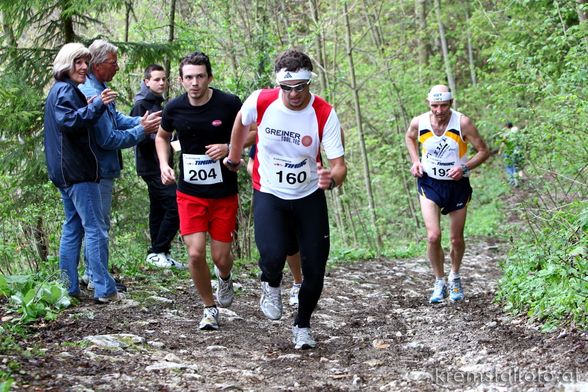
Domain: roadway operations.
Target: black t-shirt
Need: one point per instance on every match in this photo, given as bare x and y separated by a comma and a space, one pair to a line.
197, 127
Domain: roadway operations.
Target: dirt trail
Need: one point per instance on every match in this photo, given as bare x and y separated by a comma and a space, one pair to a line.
374, 328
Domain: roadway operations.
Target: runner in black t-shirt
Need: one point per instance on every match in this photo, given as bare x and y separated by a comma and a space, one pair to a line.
207, 191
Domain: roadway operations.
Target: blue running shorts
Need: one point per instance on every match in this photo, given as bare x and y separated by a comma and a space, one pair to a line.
449, 195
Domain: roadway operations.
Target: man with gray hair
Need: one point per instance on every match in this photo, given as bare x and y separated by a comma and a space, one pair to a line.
113, 129
443, 183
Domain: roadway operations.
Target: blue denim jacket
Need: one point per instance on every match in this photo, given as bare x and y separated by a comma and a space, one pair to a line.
113, 131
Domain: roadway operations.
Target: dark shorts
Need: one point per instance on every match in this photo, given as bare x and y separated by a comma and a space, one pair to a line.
449, 195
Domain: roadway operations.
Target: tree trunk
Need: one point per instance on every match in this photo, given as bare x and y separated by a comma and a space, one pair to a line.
319, 42
170, 39
66, 19
470, 48
582, 10
128, 10
445, 51
357, 106
421, 34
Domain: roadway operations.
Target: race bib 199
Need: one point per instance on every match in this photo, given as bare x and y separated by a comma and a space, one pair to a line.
289, 172
201, 169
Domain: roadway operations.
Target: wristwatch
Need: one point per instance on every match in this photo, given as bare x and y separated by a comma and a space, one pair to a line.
233, 164
465, 169
333, 184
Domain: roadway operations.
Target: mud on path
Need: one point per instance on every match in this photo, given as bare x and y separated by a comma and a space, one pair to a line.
374, 328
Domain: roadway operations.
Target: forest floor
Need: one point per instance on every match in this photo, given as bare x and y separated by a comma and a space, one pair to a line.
374, 328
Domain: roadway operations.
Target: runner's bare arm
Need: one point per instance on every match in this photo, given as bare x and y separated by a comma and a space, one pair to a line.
239, 136
410, 138
333, 176
471, 134
162, 146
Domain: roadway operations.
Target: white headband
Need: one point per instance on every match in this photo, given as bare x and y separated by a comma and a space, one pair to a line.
285, 75
439, 97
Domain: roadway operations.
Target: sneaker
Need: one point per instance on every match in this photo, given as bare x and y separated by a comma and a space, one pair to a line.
294, 294
224, 290
439, 292
455, 290
87, 282
108, 299
162, 261
271, 301
120, 286
302, 338
175, 264
209, 321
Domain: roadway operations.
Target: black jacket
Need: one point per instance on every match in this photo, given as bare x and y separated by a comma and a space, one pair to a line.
146, 159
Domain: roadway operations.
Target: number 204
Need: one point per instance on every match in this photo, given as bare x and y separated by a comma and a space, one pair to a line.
201, 174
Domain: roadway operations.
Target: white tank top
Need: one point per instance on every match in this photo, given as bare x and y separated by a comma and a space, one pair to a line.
441, 153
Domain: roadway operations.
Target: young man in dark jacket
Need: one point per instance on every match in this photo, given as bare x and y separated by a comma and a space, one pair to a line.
163, 210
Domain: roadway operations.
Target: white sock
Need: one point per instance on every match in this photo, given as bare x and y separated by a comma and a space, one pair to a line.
454, 276
442, 279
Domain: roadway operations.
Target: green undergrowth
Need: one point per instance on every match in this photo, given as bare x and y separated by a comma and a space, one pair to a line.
545, 275
32, 297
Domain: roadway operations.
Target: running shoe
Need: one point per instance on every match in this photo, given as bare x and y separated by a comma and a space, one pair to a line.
455, 290
86, 281
439, 292
209, 321
294, 294
161, 260
109, 299
224, 290
271, 301
302, 338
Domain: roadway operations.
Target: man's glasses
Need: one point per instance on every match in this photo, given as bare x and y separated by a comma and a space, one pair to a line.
112, 62
297, 87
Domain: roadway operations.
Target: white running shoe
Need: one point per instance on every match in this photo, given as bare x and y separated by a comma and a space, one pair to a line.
302, 338
163, 260
86, 281
294, 294
209, 321
224, 290
271, 301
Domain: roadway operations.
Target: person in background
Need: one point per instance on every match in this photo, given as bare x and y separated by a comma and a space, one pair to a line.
113, 129
163, 209
72, 165
512, 152
442, 172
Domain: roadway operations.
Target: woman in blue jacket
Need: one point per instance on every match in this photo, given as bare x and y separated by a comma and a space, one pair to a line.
73, 168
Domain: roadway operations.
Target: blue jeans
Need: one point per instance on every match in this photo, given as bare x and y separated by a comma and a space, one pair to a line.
84, 221
105, 188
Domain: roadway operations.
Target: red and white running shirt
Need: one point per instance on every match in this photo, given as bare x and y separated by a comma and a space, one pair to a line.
288, 142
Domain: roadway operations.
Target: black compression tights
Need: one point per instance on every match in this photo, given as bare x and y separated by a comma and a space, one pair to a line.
278, 222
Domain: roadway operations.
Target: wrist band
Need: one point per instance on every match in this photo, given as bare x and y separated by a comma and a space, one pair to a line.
333, 184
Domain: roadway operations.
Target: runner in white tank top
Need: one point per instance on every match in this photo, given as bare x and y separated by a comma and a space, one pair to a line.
442, 171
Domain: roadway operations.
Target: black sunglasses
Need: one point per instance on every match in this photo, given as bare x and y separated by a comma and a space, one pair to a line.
297, 87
